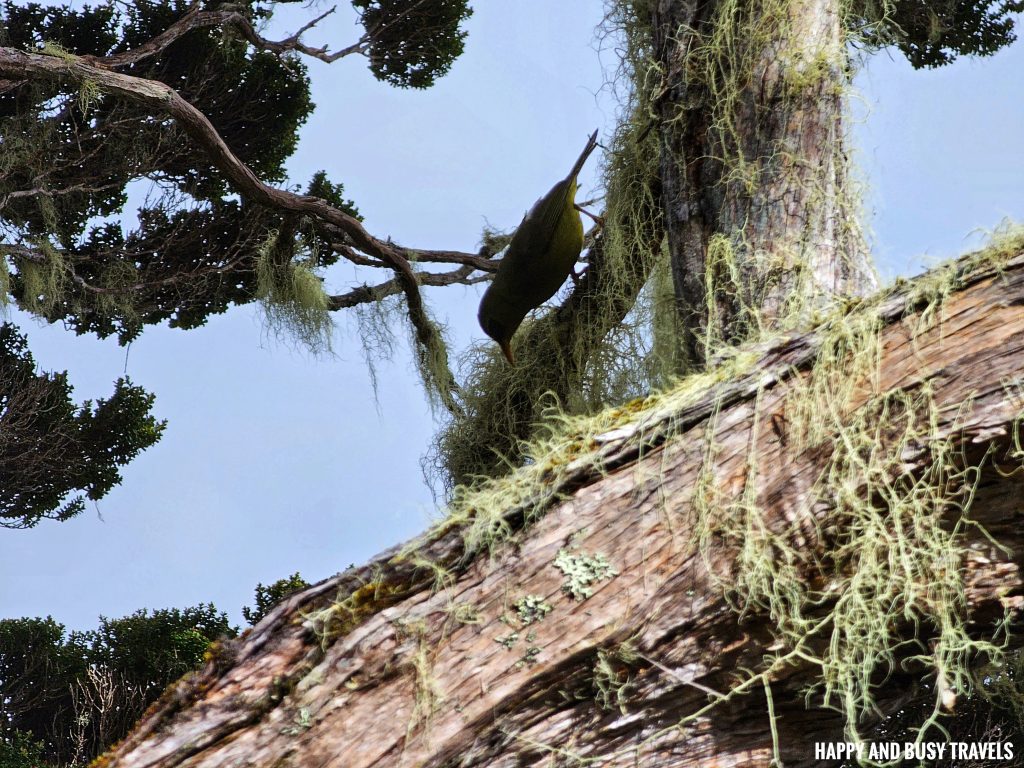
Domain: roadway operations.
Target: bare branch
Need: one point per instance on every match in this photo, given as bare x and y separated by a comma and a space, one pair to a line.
293, 43
475, 260
367, 294
196, 18
44, 192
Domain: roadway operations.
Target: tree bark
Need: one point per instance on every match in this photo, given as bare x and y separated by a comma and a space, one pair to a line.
756, 189
416, 669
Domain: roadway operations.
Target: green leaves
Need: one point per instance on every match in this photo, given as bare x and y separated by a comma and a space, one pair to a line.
269, 596
411, 43
931, 33
153, 649
65, 697
54, 453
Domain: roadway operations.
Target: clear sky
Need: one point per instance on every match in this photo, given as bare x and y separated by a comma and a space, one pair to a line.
275, 461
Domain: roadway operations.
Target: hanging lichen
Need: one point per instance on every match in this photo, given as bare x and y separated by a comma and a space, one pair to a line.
114, 298
596, 350
292, 296
893, 557
5, 283
44, 279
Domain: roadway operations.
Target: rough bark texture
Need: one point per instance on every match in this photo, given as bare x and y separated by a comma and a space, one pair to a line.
753, 152
417, 676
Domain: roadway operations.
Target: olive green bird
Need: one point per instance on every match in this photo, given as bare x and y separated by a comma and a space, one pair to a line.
541, 254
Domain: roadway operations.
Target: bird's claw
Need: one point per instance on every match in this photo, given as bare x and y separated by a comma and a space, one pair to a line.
597, 219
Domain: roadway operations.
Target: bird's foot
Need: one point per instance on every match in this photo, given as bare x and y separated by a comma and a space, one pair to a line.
599, 220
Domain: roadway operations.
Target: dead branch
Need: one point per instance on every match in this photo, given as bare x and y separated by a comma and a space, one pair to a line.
367, 294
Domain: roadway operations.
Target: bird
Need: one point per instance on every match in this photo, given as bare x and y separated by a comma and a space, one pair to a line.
541, 254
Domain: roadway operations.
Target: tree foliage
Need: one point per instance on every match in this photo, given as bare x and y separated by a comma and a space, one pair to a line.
18, 750
931, 33
75, 155
269, 596
191, 250
413, 43
38, 662
69, 695
83, 154
53, 453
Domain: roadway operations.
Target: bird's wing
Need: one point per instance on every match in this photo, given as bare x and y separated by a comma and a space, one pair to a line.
536, 240
554, 205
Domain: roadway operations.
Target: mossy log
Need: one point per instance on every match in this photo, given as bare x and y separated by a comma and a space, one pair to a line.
438, 655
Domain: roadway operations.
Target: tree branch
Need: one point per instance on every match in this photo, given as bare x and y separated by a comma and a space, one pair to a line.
476, 260
16, 64
197, 18
367, 294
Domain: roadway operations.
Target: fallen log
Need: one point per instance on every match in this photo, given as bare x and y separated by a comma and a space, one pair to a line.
685, 580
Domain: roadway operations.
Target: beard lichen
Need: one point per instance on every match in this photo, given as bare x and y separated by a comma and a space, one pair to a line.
44, 280
890, 512
865, 574
292, 296
596, 348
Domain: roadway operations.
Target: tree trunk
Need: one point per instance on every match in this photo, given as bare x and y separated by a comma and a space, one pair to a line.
759, 211
445, 653
744, 104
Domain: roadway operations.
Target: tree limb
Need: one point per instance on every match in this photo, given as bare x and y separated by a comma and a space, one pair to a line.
20, 65
197, 18
479, 261
367, 294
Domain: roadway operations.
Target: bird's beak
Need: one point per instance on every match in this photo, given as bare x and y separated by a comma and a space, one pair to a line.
506, 347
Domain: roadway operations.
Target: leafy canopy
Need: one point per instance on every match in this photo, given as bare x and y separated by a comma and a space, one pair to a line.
931, 33
67, 696
269, 596
413, 43
53, 453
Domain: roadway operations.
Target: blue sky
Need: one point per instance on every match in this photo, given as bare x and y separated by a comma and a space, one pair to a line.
275, 461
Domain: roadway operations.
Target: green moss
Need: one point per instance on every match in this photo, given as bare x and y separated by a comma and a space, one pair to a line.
353, 608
